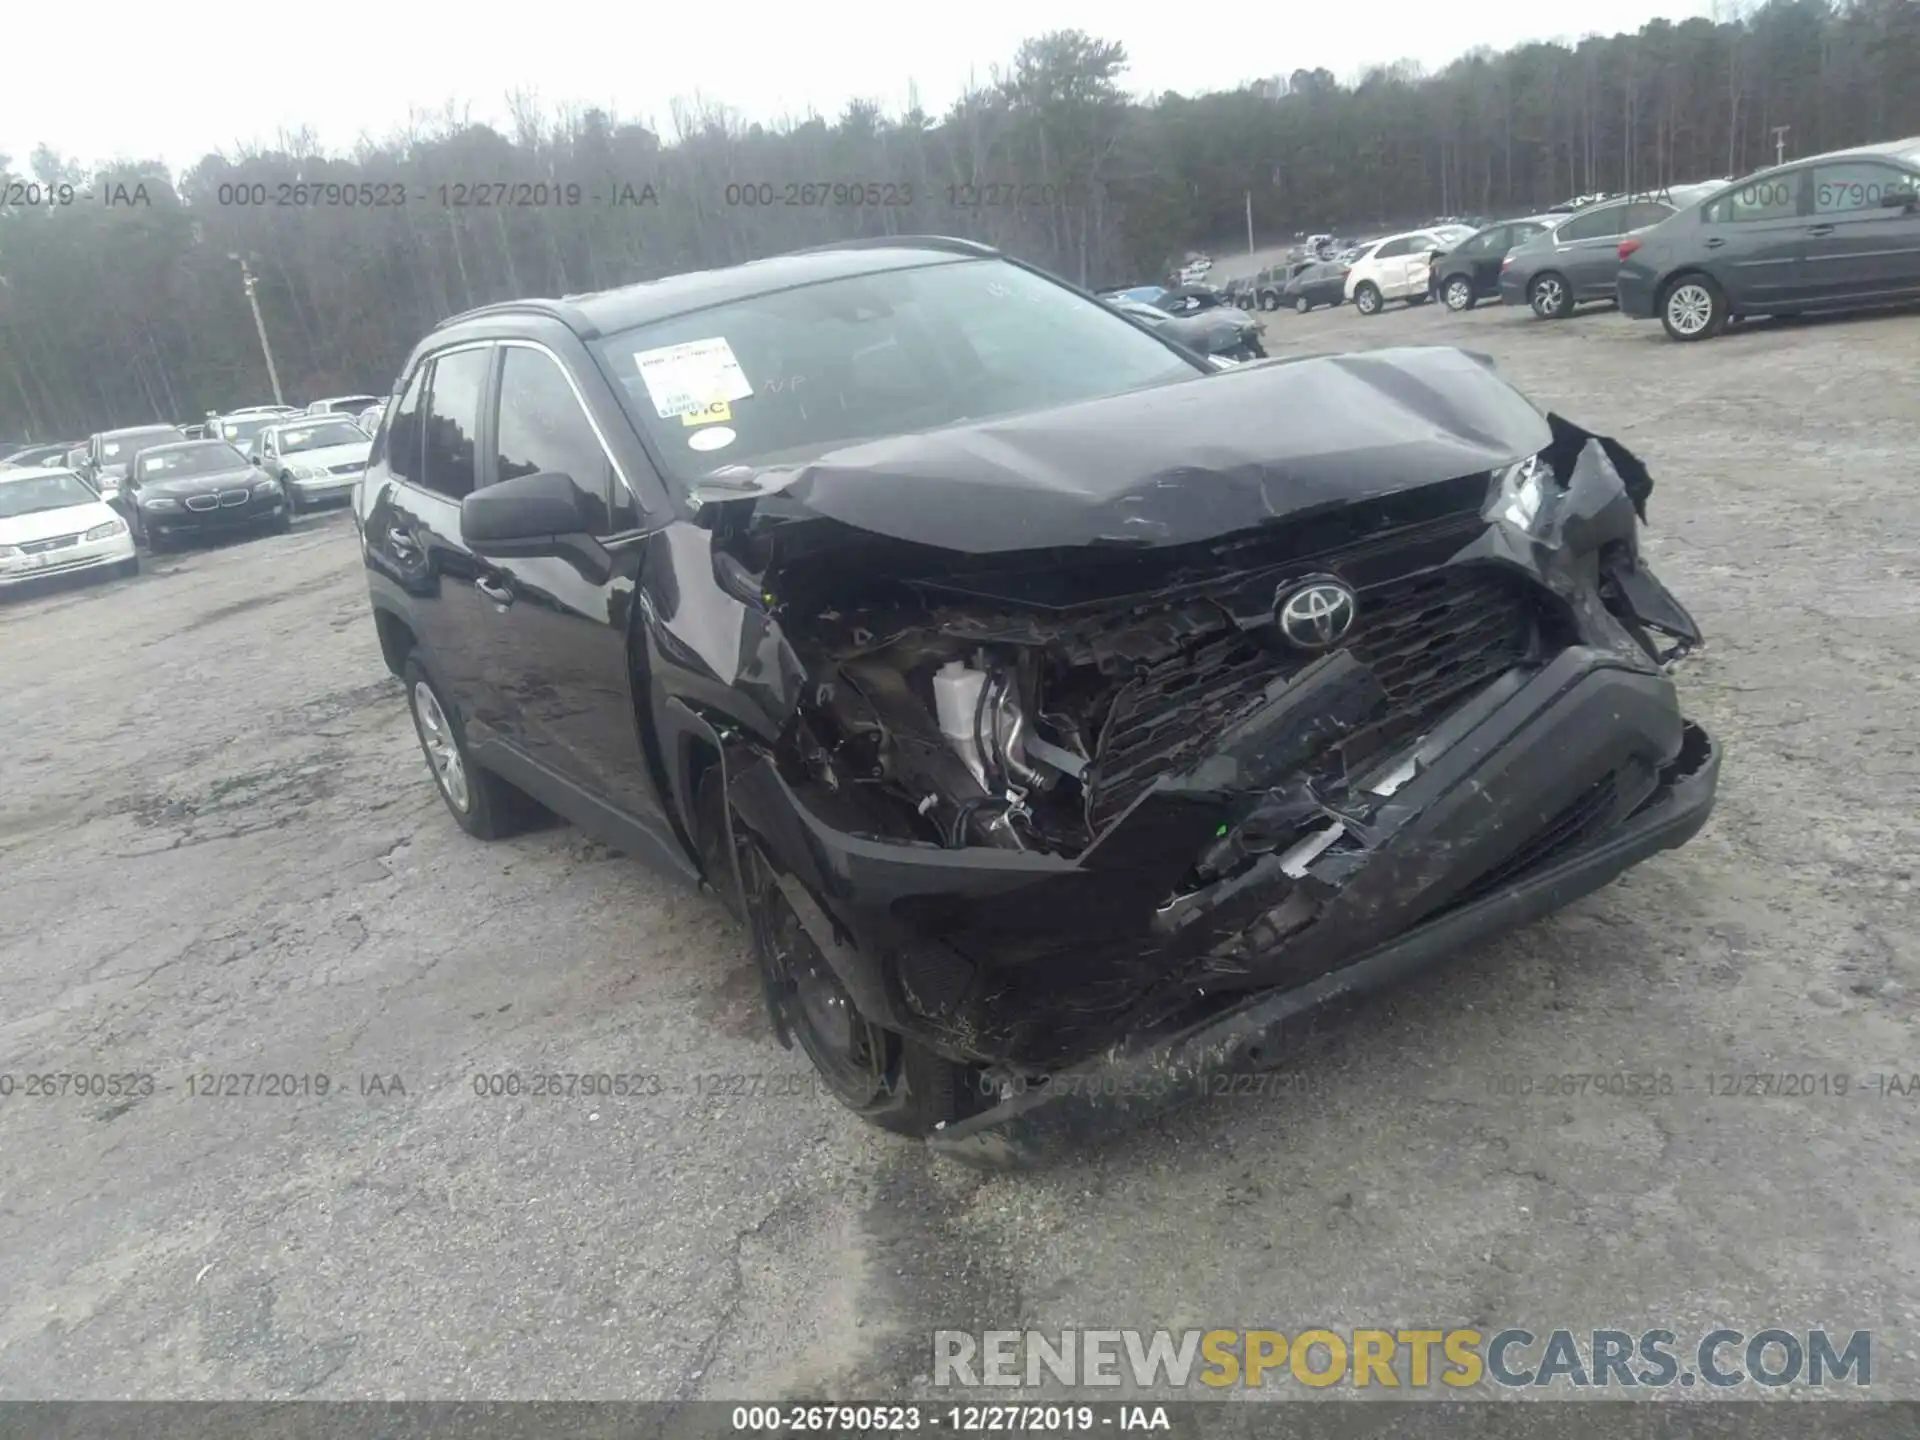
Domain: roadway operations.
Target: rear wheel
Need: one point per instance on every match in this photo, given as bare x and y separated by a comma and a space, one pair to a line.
1458, 293
885, 1078
1366, 298
1549, 297
1693, 308
481, 803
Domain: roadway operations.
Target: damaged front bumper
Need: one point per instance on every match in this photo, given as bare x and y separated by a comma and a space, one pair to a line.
1547, 784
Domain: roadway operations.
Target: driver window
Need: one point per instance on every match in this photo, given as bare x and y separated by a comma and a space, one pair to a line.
1394, 249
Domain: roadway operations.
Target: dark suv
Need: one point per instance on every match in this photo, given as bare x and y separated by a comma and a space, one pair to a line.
936, 615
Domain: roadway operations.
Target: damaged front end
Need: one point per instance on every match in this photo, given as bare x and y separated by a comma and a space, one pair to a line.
1137, 806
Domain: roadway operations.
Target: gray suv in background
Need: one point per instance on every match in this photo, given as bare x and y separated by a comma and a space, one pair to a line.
1829, 232
1577, 259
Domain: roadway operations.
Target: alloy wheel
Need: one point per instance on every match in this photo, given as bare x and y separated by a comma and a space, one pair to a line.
1689, 308
443, 752
1548, 296
1459, 293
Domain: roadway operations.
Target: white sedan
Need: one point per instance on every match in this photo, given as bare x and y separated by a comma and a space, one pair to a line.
53, 523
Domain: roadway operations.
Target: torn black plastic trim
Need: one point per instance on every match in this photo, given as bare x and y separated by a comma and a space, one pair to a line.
1156, 1074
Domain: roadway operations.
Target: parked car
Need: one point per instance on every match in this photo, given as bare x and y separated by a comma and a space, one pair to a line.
1393, 268
35, 457
1470, 271
369, 418
1322, 283
199, 488
1221, 331
1145, 294
991, 693
53, 523
240, 427
342, 404
195, 432
1197, 268
1576, 259
312, 460
109, 453
1829, 232
1192, 299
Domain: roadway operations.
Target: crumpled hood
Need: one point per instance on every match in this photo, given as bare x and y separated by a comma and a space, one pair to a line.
1177, 463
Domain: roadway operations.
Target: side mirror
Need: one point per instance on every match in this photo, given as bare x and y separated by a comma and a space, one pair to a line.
527, 515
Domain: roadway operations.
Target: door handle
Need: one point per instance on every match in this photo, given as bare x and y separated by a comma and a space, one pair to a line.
1819, 229
1715, 243
499, 594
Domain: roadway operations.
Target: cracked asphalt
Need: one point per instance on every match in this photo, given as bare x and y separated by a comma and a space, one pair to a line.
220, 854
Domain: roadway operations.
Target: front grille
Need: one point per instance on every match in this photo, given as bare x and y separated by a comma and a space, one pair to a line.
230, 498
352, 467
202, 502
1431, 638
41, 547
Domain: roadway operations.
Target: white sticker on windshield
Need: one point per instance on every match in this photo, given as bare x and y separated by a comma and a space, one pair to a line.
716, 437
684, 379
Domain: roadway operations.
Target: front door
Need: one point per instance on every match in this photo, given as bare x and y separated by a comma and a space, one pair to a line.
558, 644
1859, 246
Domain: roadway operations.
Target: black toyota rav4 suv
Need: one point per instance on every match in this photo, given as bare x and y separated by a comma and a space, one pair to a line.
1067, 720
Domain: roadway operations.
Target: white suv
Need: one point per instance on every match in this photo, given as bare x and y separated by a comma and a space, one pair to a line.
1392, 269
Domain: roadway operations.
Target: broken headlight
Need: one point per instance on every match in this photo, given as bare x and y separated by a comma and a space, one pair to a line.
1522, 493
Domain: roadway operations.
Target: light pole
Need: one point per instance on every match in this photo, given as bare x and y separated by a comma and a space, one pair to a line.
248, 279
1780, 144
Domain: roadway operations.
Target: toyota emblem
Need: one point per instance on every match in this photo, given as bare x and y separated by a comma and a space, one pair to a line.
1317, 613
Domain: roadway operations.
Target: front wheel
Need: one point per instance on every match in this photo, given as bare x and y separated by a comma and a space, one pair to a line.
1550, 298
1366, 298
1458, 294
1693, 308
887, 1079
1302, 305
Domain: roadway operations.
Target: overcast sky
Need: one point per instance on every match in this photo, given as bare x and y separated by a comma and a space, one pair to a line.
157, 82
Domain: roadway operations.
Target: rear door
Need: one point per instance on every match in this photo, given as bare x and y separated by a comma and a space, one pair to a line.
1587, 251
431, 462
1486, 267
1753, 241
1859, 247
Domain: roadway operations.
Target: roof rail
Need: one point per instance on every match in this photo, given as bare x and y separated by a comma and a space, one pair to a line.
566, 314
950, 243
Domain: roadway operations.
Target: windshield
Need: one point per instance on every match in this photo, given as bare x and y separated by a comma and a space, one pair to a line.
239, 432
317, 437
891, 353
117, 450
205, 459
43, 492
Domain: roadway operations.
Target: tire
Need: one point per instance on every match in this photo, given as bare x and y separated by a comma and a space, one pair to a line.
887, 1079
1366, 298
1456, 292
1549, 297
128, 568
481, 803
1692, 307
156, 544
1302, 305
1270, 301
282, 525
291, 496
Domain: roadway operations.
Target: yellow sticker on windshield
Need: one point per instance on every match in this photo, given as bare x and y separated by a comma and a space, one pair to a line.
712, 415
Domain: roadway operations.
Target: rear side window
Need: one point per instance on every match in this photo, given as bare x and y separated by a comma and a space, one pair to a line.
1773, 198
1595, 224
398, 444
1393, 249
1647, 212
451, 457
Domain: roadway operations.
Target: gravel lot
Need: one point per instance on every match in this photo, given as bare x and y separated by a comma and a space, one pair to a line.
220, 852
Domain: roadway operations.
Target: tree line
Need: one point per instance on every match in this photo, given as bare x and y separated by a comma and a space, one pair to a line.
121, 294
